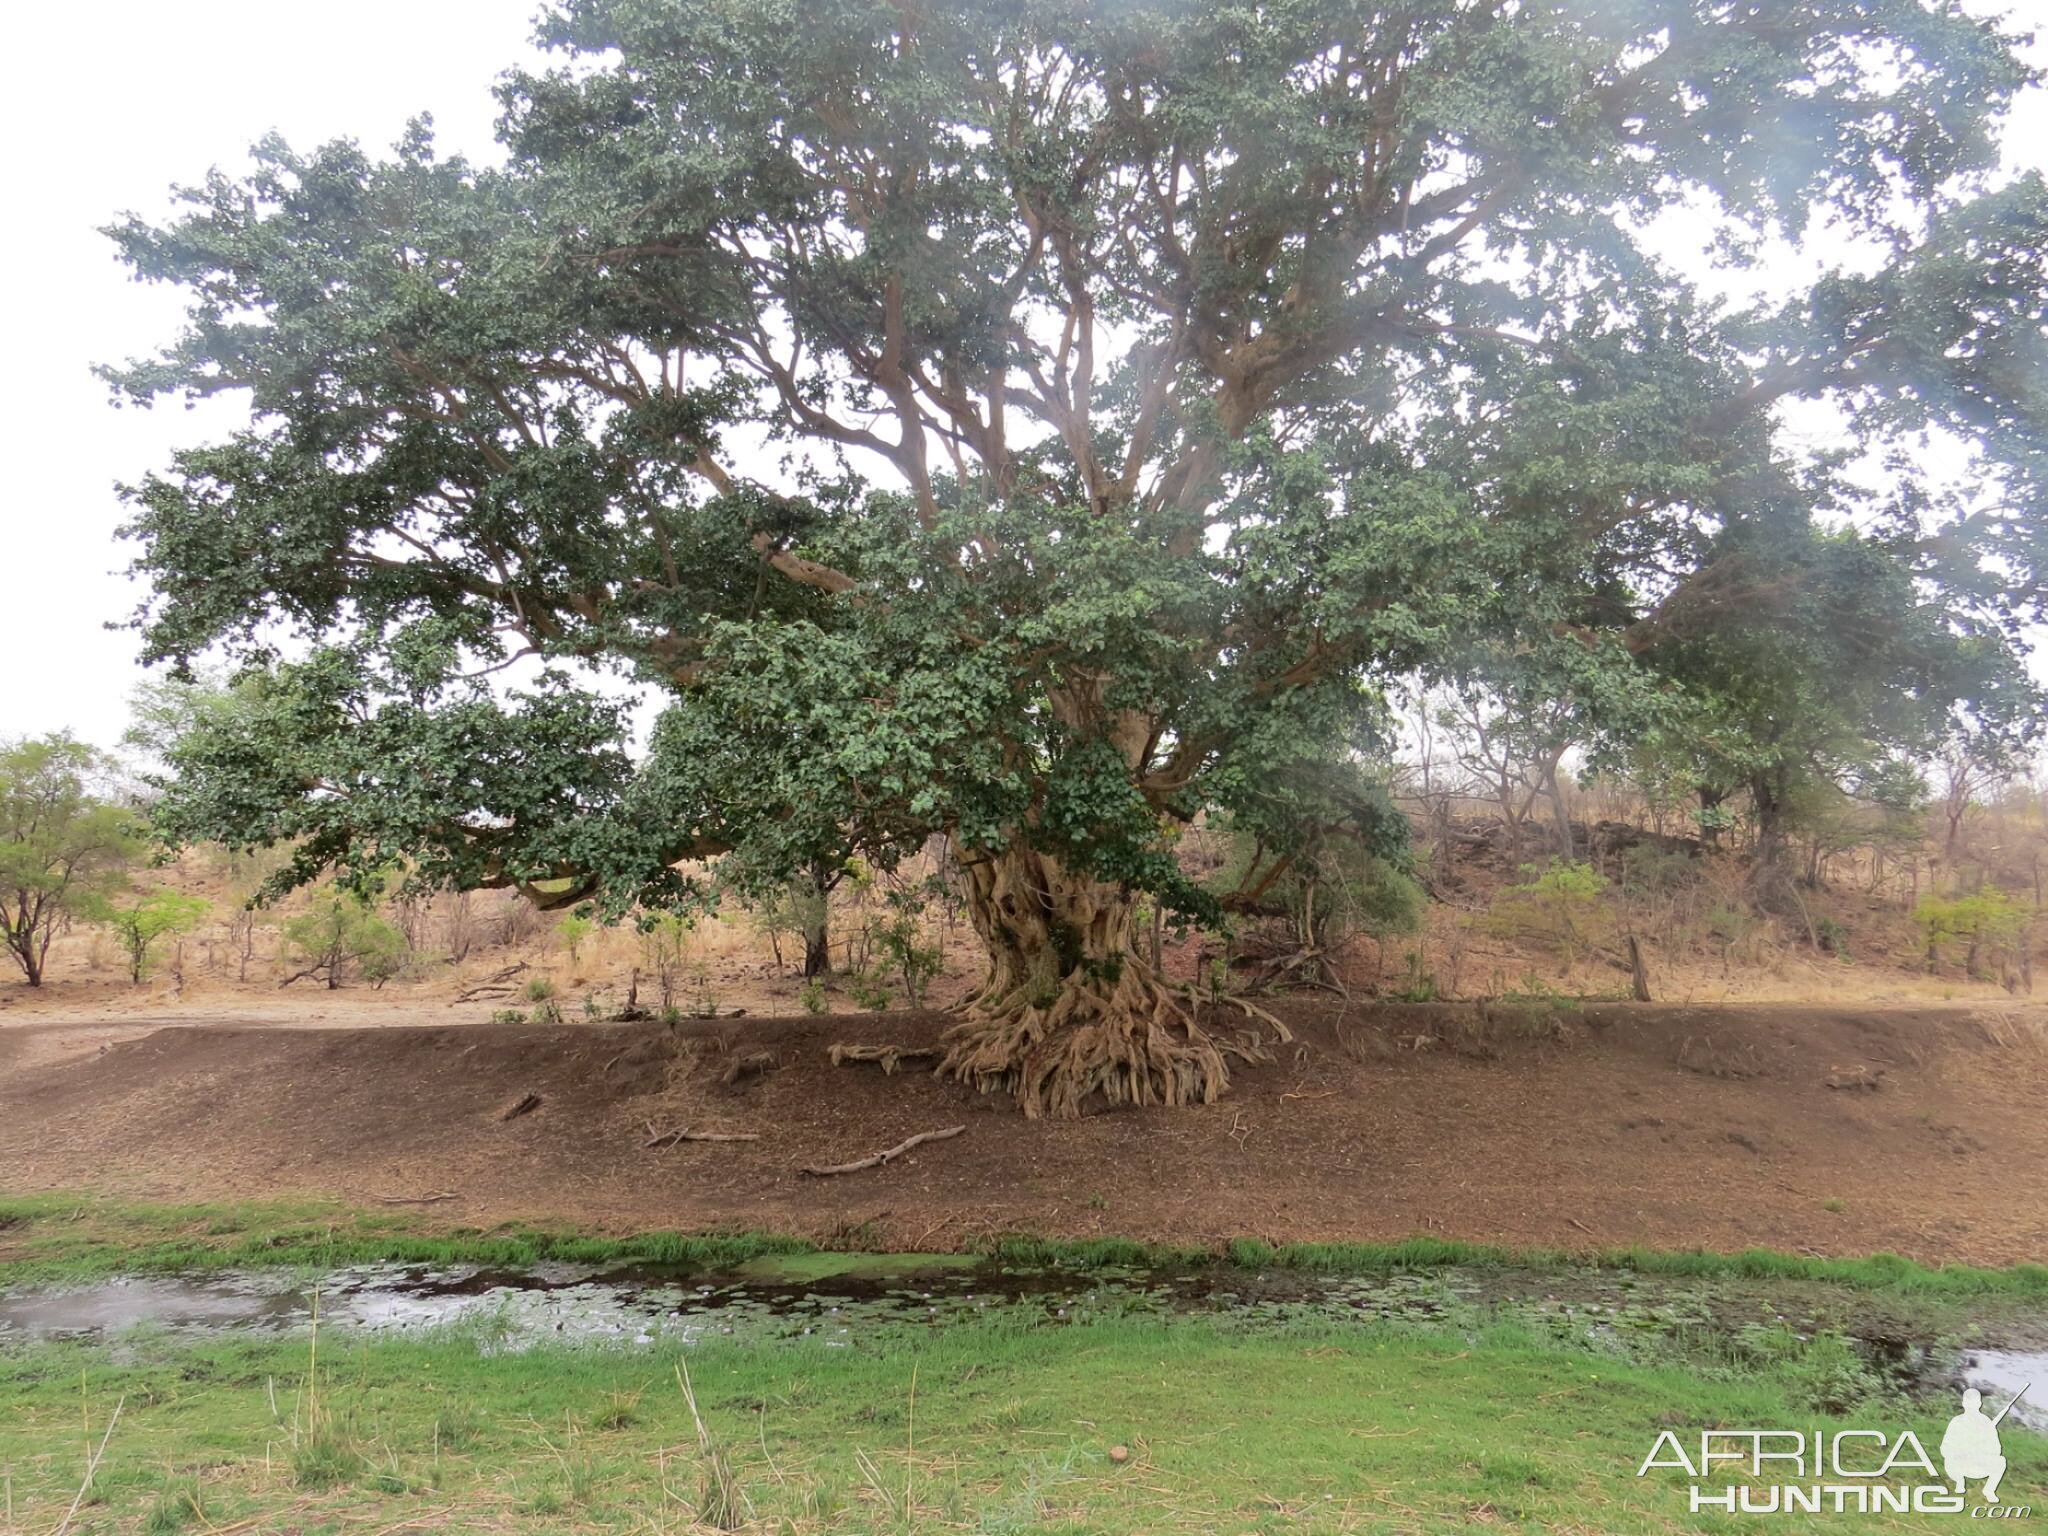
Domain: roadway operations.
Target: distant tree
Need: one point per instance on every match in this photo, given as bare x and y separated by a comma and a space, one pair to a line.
1969, 767
1143, 388
138, 921
1323, 858
63, 850
1810, 661
341, 932
163, 711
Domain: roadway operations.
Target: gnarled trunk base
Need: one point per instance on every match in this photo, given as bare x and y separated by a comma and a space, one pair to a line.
1070, 1010
1133, 1041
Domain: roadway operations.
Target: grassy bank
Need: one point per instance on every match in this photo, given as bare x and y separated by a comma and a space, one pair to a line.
988, 1427
55, 1238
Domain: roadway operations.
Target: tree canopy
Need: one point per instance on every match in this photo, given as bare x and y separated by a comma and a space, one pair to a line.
1040, 424
63, 848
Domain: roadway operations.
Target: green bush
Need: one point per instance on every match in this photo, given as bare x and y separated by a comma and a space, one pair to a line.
915, 962
1986, 920
869, 989
572, 932
341, 933
1561, 906
140, 921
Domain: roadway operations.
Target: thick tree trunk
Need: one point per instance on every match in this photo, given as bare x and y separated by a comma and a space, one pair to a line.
1770, 881
1768, 867
1071, 1009
22, 936
817, 950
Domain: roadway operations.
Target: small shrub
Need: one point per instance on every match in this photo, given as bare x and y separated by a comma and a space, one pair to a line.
703, 994
326, 1456
1829, 1377
812, 996
572, 932
509, 1016
1649, 870
667, 943
539, 990
457, 1427
1735, 927
180, 1504
549, 1012
916, 963
1560, 906
869, 990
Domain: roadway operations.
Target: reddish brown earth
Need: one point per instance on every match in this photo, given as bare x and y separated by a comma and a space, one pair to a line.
1716, 1127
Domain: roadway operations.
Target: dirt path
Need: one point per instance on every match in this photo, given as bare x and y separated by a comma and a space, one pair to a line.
1806, 1129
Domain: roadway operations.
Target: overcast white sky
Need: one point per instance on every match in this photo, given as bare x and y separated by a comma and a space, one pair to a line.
103, 116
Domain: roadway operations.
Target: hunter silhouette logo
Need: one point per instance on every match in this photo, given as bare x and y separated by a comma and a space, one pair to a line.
1970, 1447
1852, 1471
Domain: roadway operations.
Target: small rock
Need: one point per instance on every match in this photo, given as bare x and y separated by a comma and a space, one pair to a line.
1119, 1454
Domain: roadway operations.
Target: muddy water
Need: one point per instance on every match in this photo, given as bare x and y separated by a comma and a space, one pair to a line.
833, 1300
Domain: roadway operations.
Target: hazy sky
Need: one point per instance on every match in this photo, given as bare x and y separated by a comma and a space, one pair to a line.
116, 109
104, 115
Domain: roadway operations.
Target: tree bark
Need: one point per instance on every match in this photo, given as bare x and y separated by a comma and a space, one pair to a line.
817, 950
1071, 1009
823, 876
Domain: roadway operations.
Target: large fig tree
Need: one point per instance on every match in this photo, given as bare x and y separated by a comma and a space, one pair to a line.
1035, 422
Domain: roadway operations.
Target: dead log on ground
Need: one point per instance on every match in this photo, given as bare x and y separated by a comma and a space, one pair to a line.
877, 1159
498, 984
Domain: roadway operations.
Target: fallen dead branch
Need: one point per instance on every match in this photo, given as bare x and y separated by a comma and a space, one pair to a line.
497, 984
877, 1159
684, 1133
434, 1199
525, 1104
887, 1057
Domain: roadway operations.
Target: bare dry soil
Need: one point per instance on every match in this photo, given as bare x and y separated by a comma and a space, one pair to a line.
1808, 1129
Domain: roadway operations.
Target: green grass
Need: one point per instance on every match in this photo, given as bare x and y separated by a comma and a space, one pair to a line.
1001, 1424
63, 1237
984, 1427
47, 1238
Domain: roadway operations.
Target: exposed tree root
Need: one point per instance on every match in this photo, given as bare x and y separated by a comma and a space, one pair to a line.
888, 1057
1132, 1040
